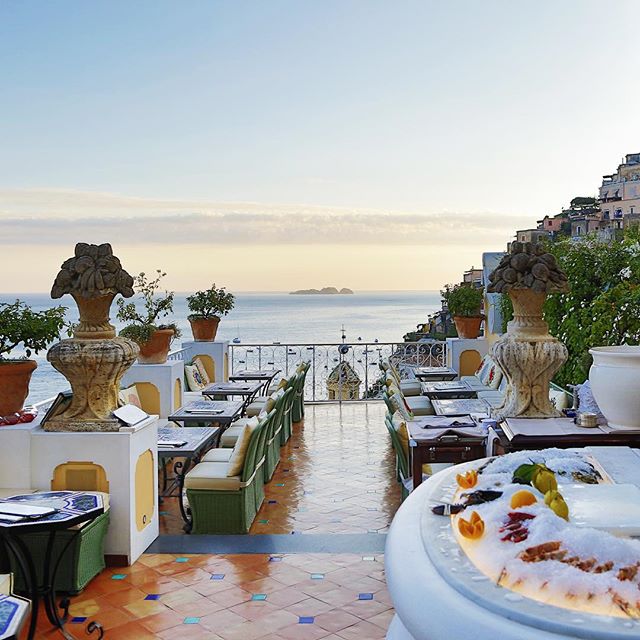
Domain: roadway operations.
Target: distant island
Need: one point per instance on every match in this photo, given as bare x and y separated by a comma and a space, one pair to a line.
330, 291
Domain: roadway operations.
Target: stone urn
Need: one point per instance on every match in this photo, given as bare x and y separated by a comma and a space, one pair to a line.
615, 381
527, 354
94, 360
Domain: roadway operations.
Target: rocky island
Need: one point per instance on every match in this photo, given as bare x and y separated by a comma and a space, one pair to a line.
323, 291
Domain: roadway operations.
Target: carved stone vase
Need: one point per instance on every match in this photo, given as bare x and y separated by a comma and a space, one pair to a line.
529, 358
94, 369
94, 317
94, 360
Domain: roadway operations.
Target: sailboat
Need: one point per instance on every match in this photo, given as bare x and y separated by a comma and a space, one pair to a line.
237, 340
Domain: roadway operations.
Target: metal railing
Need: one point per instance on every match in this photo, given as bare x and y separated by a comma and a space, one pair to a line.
339, 371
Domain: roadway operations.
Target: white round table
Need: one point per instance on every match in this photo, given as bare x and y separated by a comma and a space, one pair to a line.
439, 595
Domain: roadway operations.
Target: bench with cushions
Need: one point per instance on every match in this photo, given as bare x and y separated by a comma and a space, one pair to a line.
224, 496
392, 376
490, 384
409, 406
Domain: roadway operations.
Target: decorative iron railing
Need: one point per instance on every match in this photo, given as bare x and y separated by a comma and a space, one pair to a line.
339, 371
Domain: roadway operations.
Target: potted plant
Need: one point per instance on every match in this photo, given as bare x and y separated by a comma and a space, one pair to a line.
206, 308
33, 330
153, 339
464, 302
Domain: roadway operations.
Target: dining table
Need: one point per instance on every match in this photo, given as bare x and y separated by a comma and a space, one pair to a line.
186, 447
247, 390
460, 407
447, 389
47, 513
434, 374
438, 439
221, 412
522, 434
264, 376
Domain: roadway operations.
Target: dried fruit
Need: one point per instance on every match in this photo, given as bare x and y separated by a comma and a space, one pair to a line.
468, 480
472, 528
522, 498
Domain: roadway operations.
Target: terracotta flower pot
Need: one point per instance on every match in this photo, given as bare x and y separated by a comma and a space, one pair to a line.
468, 326
204, 329
156, 349
14, 384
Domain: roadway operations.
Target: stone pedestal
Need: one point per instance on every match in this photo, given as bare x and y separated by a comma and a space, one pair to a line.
94, 368
464, 355
160, 386
529, 358
129, 460
214, 356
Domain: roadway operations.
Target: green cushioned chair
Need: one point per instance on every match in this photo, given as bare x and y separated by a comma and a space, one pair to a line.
228, 505
297, 413
402, 464
82, 560
274, 436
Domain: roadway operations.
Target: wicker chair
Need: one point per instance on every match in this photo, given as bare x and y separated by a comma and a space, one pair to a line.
297, 413
274, 437
227, 505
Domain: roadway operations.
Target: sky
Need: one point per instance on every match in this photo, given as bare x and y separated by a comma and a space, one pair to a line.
282, 144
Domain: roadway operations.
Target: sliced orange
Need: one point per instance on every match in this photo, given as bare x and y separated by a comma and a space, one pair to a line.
522, 498
468, 480
472, 528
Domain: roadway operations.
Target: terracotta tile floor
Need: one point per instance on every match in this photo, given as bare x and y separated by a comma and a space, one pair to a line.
336, 476
238, 597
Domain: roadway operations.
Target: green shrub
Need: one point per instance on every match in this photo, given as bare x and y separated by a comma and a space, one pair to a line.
210, 303
155, 306
462, 299
34, 330
602, 307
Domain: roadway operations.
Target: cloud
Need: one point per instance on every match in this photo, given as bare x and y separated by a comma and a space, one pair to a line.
54, 217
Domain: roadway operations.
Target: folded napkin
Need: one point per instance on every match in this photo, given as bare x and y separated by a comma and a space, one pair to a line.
444, 422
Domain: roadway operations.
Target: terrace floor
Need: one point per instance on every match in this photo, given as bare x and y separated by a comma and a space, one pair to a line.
334, 489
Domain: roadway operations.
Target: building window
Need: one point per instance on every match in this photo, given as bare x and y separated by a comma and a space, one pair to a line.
579, 230
630, 209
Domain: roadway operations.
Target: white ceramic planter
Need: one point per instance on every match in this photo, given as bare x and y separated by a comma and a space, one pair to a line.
615, 382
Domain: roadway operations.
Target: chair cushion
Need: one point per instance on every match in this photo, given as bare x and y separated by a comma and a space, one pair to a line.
497, 378
130, 396
230, 436
236, 461
484, 364
420, 406
488, 373
410, 387
403, 435
474, 383
399, 404
212, 476
217, 455
560, 398
197, 362
193, 377
254, 409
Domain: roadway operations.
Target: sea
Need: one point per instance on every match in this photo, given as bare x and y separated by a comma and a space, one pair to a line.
260, 318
